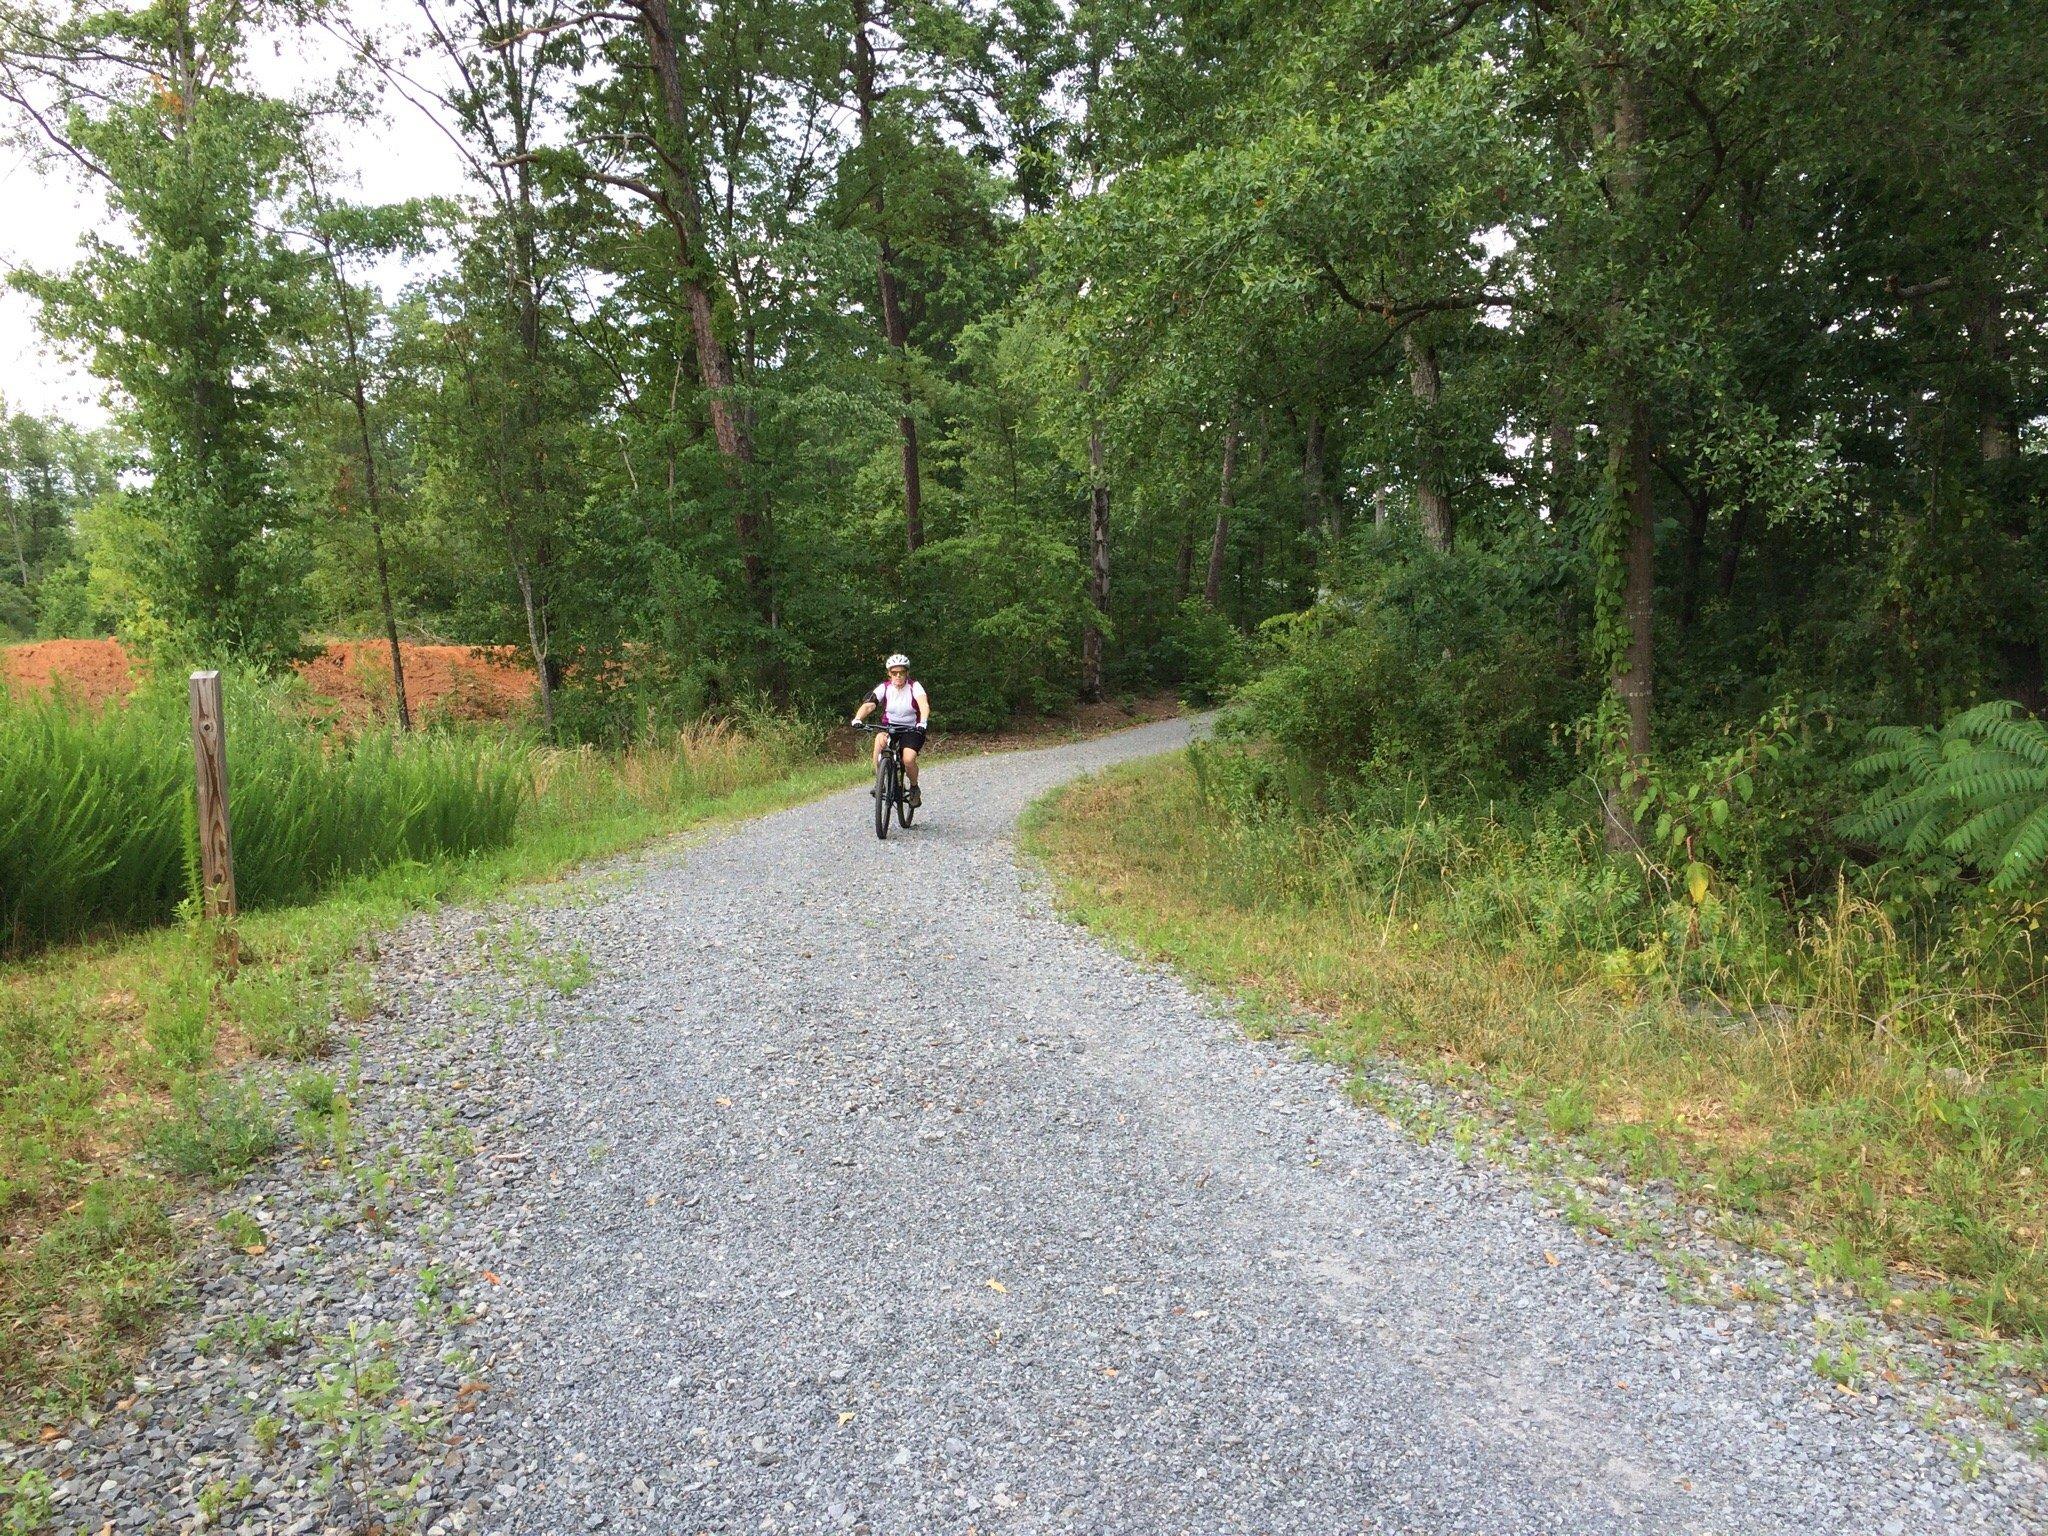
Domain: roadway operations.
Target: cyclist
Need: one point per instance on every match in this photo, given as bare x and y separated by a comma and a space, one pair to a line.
904, 705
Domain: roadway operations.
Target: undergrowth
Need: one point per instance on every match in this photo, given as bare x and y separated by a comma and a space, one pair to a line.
1870, 1102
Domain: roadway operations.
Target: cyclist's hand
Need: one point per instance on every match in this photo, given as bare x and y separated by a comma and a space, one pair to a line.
856, 720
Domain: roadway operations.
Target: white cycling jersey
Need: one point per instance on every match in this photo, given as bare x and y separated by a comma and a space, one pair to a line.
900, 705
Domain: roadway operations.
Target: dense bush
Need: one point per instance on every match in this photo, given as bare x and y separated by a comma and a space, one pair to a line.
96, 809
1448, 669
1427, 727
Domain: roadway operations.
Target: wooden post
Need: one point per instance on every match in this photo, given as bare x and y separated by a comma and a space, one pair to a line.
210, 760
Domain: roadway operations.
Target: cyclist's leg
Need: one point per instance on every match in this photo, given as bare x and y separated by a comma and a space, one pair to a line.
910, 765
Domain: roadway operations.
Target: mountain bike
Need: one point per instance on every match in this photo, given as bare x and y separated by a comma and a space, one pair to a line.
892, 791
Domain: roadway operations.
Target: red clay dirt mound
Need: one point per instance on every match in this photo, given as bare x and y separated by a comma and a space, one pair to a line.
91, 671
447, 682
450, 682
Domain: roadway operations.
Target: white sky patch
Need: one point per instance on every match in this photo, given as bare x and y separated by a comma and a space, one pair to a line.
45, 208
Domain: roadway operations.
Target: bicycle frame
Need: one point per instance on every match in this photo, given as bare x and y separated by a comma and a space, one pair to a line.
891, 791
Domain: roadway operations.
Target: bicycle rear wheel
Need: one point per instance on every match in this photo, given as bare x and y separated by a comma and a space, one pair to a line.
904, 809
885, 791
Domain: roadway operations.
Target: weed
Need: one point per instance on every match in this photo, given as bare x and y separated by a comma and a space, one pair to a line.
266, 1429
356, 993
31, 1503
182, 1034
282, 1013
1568, 1111
1968, 1451
316, 1092
566, 974
351, 1403
218, 1131
242, 1231
219, 1496
254, 1336
1845, 1366
1463, 1135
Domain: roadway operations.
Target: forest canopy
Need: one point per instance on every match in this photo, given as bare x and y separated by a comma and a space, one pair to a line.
1574, 372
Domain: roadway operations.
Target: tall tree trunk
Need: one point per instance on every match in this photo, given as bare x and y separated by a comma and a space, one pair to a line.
714, 362
1184, 562
372, 490
1564, 454
1731, 552
1212, 586
20, 545
1098, 566
894, 331
1629, 464
536, 637
1425, 382
374, 496
524, 278
1098, 551
1996, 439
906, 424
1629, 468
1315, 509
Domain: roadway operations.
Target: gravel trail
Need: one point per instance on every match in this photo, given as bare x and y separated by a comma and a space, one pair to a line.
788, 1180
881, 1199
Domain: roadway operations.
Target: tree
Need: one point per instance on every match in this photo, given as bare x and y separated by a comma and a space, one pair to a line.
186, 314
341, 234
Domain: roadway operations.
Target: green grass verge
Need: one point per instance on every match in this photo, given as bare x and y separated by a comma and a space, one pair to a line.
117, 1058
1919, 1185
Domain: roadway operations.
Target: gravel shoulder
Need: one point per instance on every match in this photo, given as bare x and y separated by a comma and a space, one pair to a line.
792, 1180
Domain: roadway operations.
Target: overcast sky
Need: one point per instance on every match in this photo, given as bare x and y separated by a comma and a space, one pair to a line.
44, 208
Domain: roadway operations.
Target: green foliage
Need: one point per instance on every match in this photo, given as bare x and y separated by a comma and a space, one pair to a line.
1003, 641
1203, 654
94, 807
31, 1503
218, 1131
49, 473
1447, 668
1749, 806
1971, 795
186, 304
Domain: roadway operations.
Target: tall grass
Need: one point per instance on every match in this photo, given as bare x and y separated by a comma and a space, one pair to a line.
96, 808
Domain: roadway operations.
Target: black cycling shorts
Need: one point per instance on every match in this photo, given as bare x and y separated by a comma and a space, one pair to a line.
911, 736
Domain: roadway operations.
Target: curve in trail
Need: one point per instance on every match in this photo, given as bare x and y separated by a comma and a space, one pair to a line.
880, 1199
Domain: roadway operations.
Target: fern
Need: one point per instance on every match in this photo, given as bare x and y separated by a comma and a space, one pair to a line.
1975, 791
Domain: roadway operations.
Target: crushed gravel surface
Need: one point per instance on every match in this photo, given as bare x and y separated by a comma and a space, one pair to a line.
811, 1183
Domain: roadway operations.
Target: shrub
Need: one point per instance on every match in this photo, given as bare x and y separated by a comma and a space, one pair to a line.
1448, 668
1202, 653
217, 1131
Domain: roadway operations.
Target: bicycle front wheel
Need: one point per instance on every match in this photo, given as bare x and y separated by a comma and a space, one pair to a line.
885, 792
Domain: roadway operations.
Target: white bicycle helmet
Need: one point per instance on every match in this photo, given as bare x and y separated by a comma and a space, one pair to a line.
895, 661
